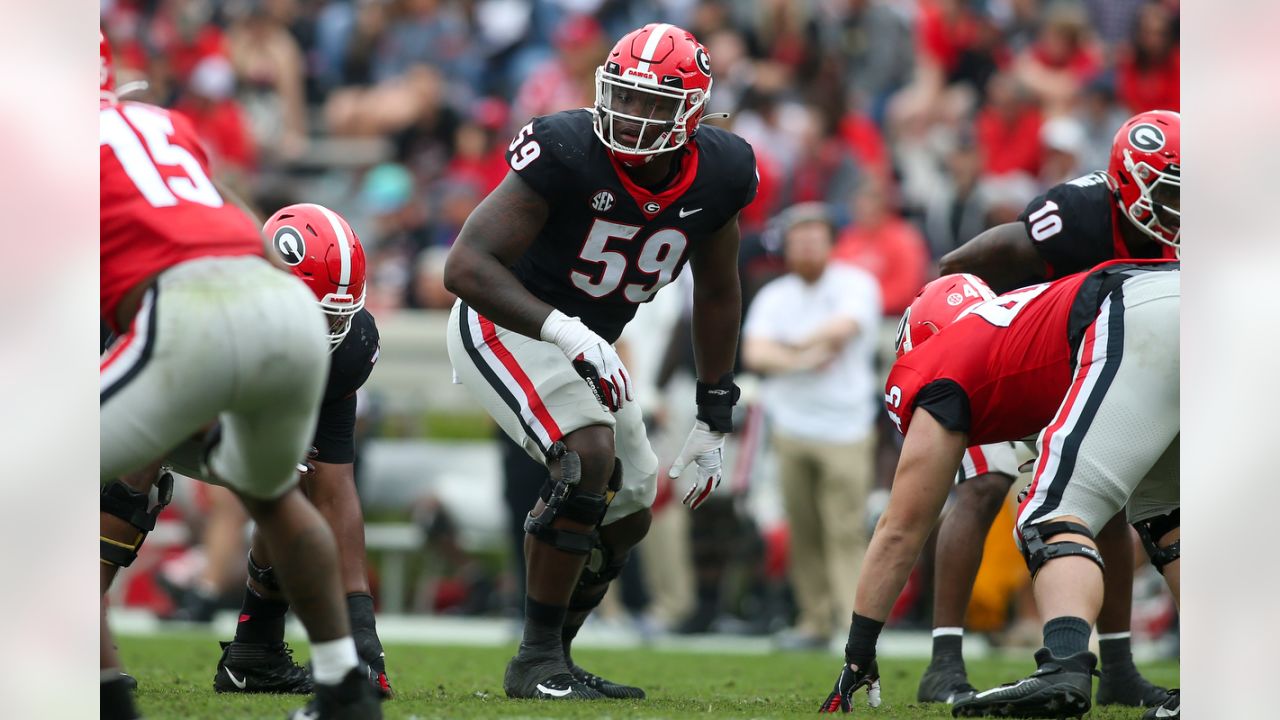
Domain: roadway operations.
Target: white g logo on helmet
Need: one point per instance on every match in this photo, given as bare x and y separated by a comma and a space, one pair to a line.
290, 245
1147, 137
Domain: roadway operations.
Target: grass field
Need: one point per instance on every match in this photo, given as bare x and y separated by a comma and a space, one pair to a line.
175, 673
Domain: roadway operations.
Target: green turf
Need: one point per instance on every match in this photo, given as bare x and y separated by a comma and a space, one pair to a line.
176, 681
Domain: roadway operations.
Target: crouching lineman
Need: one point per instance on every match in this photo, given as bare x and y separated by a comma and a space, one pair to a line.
602, 207
211, 330
1090, 362
1131, 210
320, 248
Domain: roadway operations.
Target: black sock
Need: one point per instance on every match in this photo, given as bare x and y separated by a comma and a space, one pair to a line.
1116, 654
261, 620
949, 647
364, 626
1066, 636
543, 624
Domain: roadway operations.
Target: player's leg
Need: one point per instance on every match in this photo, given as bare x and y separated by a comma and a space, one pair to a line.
538, 399
987, 472
625, 524
282, 361
843, 484
116, 690
1117, 420
1120, 682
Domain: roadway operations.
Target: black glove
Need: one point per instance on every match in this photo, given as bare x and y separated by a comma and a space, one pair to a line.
849, 682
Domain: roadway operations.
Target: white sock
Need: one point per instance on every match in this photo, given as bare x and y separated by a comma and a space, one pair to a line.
938, 631
332, 660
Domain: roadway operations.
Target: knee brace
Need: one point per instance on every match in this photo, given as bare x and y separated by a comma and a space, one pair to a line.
264, 576
564, 498
1036, 551
1151, 530
123, 502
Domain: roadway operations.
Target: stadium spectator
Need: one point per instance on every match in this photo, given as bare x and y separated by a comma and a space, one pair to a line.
812, 333
1149, 71
885, 245
1062, 59
270, 68
210, 102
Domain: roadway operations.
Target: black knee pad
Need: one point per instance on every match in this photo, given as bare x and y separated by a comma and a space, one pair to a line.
1151, 530
564, 497
264, 576
1036, 550
121, 501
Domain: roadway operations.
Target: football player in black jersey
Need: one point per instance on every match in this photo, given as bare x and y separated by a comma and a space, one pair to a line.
321, 248
603, 206
1131, 210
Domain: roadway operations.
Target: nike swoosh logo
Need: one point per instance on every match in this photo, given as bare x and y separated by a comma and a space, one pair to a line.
1003, 687
238, 682
552, 691
1164, 713
684, 214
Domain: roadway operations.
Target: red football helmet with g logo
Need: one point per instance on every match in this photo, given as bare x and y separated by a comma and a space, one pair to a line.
936, 306
651, 92
322, 249
1146, 170
106, 74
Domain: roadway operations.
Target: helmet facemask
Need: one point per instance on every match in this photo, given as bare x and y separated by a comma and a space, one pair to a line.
1157, 211
340, 310
637, 117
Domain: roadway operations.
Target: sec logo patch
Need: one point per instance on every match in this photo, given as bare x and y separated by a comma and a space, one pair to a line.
602, 201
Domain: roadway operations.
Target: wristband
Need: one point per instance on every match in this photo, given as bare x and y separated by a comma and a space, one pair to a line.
716, 401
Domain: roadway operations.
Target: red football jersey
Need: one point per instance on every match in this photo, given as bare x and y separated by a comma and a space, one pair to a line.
159, 207
1000, 372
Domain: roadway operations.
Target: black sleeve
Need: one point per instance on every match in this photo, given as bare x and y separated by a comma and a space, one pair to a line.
750, 174
349, 368
947, 402
336, 431
538, 155
1071, 225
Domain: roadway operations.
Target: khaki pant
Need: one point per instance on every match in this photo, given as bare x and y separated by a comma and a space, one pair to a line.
824, 491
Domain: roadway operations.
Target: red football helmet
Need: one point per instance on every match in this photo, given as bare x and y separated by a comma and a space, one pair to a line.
322, 249
651, 92
1146, 170
936, 306
106, 75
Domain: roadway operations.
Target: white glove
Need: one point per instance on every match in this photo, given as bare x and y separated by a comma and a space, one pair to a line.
594, 359
705, 448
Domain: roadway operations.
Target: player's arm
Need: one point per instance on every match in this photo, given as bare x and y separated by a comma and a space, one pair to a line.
926, 467
717, 303
767, 356
496, 234
1004, 256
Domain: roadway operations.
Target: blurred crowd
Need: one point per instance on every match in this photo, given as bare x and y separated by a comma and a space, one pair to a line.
916, 123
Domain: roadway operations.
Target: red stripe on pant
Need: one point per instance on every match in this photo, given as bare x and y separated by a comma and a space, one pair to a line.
124, 344
1064, 413
979, 460
508, 361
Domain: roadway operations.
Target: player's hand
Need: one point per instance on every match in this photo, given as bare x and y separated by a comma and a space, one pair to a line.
704, 449
593, 358
849, 682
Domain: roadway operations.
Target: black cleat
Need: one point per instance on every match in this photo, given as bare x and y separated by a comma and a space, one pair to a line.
352, 699
1130, 689
1059, 688
544, 678
116, 700
606, 688
260, 668
944, 682
1170, 708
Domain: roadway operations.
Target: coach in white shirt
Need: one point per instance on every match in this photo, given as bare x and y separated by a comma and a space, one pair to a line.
812, 334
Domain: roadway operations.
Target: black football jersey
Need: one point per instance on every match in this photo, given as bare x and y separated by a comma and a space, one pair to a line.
1074, 226
609, 244
349, 367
